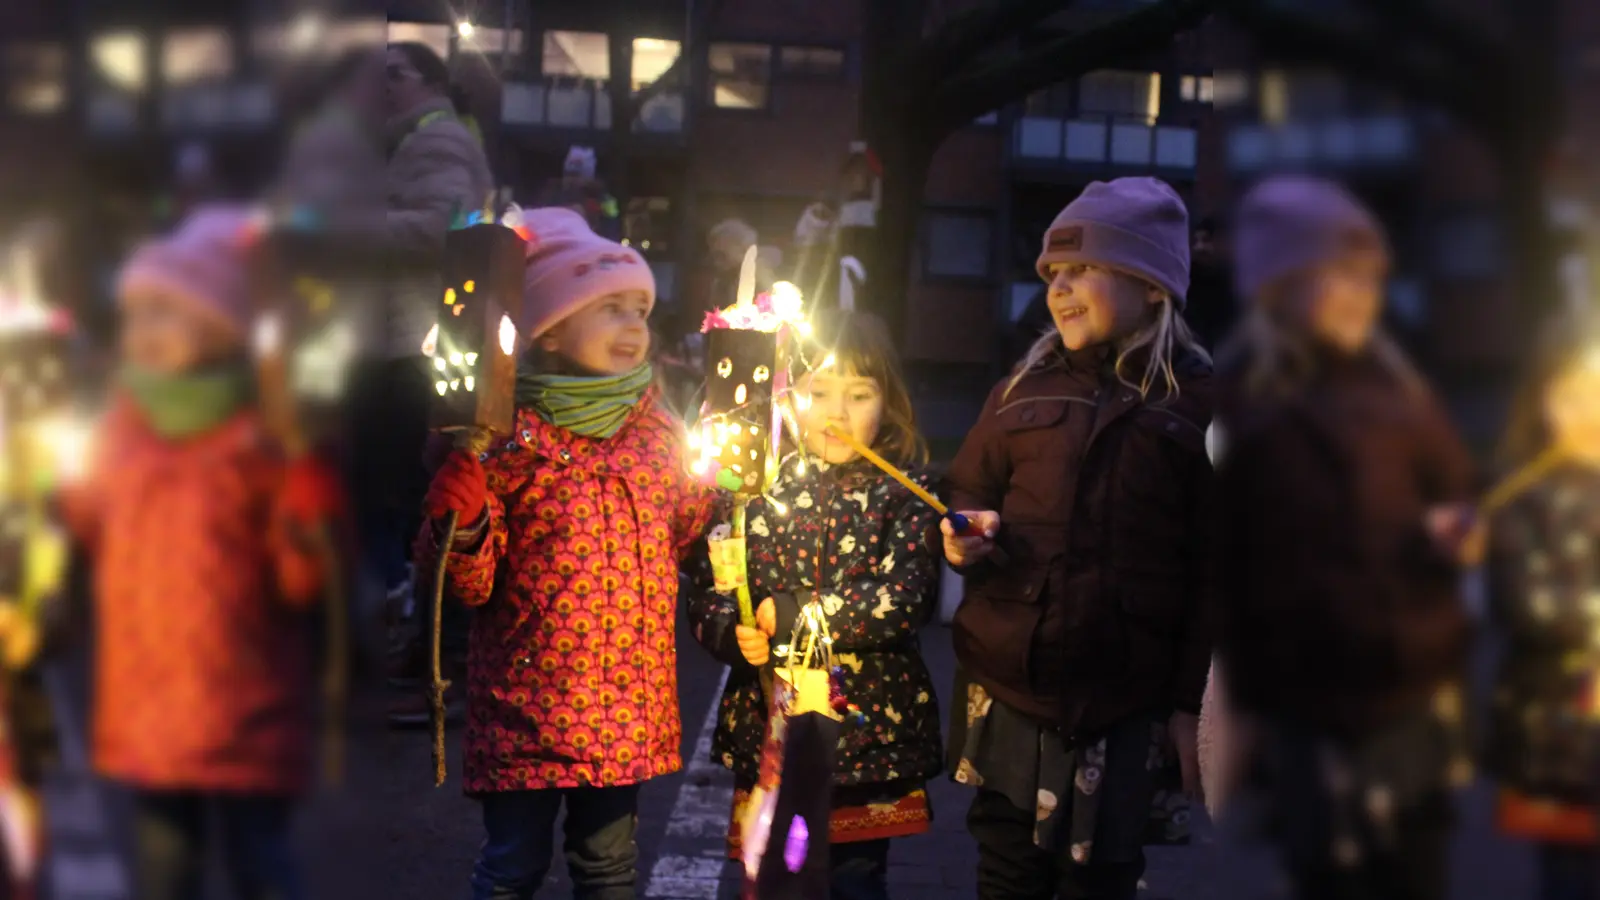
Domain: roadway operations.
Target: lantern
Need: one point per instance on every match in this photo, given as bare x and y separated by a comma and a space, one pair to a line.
745, 370
472, 349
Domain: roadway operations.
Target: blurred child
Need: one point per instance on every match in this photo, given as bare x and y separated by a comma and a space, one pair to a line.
1086, 648
571, 533
1544, 568
853, 535
198, 527
1341, 545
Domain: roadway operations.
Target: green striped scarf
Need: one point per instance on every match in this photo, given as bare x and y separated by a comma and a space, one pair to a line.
592, 405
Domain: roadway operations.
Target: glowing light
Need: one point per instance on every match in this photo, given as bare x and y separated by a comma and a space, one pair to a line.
465, 29
802, 402
826, 361
431, 342
455, 359
442, 387
469, 286
804, 328
777, 506
439, 363
724, 367
739, 394
468, 382
69, 441
472, 359
268, 335
455, 383
694, 441
449, 296
787, 301
800, 468
698, 467
508, 336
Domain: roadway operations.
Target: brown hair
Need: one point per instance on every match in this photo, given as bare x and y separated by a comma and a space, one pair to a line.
861, 346
1565, 341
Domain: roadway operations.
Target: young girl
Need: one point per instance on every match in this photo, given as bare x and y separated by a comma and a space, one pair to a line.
197, 526
1342, 630
1086, 645
571, 534
1544, 570
860, 540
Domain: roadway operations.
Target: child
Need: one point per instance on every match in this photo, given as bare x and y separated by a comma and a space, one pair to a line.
1087, 644
570, 539
198, 528
1545, 573
1341, 541
859, 539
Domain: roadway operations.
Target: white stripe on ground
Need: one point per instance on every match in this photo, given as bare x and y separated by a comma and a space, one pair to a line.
695, 846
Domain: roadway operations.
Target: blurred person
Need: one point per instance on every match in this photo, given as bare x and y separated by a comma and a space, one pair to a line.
198, 528
437, 170
574, 528
1083, 654
728, 241
1344, 530
1544, 573
1213, 308
332, 165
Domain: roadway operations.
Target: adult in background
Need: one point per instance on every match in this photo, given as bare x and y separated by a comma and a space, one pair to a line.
436, 169
1211, 296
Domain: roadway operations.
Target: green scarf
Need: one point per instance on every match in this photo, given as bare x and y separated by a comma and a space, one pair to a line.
187, 404
592, 405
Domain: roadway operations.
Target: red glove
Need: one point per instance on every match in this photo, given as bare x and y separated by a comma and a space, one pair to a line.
459, 485
312, 491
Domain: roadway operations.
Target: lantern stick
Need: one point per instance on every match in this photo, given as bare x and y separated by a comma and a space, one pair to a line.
1515, 484
747, 615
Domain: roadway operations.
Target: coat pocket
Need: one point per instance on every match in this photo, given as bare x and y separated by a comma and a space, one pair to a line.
995, 626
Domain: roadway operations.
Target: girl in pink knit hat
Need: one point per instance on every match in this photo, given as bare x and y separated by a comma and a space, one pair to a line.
1083, 647
205, 575
573, 533
1342, 538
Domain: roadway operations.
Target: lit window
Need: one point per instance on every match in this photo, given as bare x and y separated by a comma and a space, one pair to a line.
576, 54
652, 57
1123, 95
489, 41
312, 36
826, 62
196, 55
1274, 97
957, 245
431, 35
119, 60
36, 78
1196, 89
741, 75
1208, 89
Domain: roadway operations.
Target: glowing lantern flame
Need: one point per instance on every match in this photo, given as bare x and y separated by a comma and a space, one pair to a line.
787, 301
508, 336
431, 342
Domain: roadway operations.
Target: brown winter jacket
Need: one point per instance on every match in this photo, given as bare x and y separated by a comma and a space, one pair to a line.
1102, 608
1336, 612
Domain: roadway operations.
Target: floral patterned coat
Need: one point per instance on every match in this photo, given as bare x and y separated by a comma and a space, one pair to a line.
572, 659
878, 580
203, 669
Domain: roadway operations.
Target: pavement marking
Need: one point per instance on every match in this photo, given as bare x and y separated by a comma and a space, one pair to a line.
694, 849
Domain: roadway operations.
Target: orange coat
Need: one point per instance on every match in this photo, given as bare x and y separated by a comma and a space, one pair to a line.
202, 651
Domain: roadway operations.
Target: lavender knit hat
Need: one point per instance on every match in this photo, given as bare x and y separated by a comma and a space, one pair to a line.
569, 267
1290, 223
204, 263
1138, 226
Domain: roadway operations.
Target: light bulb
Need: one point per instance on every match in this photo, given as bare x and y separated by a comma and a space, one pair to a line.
465, 29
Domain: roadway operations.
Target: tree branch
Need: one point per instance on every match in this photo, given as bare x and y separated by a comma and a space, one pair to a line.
964, 97
693, 40
964, 36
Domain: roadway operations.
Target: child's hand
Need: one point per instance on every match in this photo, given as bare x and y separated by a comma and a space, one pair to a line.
1458, 532
459, 486
752, 644
964, 551
767, 617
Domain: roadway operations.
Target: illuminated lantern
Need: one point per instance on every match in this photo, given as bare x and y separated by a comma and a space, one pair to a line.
34, 345
473, 347
745, 370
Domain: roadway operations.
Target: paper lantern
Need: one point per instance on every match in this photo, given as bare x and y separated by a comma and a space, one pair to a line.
745, 369
33, 372
473, 347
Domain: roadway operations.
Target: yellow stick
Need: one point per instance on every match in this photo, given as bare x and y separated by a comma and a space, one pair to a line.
888, 469
1513, 485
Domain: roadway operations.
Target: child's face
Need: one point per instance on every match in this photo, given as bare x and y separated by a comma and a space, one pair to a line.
606, 337
1092, 305
1572, 408
1340, 302
853, 403
164, 335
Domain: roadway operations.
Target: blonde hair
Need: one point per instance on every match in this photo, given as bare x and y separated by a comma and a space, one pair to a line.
1164, 335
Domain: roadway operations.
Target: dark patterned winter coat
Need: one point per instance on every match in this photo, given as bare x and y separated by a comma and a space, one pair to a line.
572, 665
878, 577
1545, 596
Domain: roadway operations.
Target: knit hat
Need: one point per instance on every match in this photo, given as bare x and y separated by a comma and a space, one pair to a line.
204, 263
569, 267
1289, 223
1138, 226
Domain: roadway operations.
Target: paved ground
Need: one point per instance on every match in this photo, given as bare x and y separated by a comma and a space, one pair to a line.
390, 834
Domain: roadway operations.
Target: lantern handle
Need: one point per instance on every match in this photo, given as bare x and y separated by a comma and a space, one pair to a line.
746, 293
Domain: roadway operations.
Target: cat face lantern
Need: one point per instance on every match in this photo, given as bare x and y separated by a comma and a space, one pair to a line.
34, 347
744, 372
473, 347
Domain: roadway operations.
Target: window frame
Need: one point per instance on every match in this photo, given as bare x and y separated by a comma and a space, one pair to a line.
544, 37
932, 212
709, 97
781, 72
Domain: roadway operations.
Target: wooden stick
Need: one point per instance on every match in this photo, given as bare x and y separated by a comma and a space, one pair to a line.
471, 440
891, 471
1515, 484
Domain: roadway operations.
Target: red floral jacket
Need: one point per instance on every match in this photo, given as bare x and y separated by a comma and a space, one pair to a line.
572, 659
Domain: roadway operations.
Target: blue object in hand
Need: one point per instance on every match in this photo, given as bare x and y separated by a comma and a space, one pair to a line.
962, 526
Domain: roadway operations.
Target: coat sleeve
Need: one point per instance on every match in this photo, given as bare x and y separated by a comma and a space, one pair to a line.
1198, 632
712, 616
419, 224
696, 506
897, 598
478, 548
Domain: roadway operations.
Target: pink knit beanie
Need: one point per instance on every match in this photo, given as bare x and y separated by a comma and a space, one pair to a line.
204, 263
1290, 223
1138, 226
569, 267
